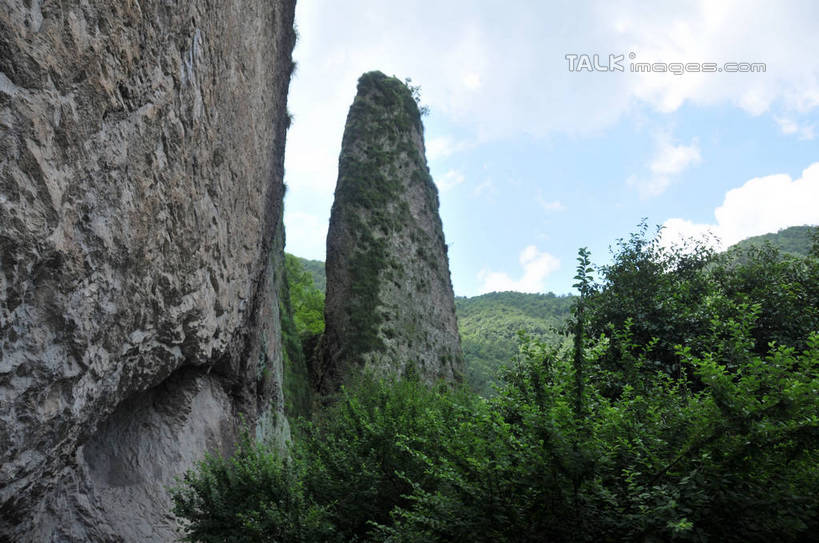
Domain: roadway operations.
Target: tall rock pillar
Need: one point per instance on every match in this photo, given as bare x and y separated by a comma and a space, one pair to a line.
389, 303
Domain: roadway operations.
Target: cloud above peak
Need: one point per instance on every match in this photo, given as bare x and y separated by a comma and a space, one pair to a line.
760, 205
498, 73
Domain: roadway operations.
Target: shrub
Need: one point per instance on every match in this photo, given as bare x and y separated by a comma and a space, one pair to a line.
255, 496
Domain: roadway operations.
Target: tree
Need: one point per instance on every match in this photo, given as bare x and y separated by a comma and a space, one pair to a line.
307, 302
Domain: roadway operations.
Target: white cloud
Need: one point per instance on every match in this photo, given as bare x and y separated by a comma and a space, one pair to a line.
761, 205
790, 127
487, 187
673, 159
650, 186
450, 179
669, 161
472, 81
536, 268
720, 32
501, 73
676, 232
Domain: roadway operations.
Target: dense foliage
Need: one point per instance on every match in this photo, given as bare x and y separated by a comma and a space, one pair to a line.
306, 299
734, 462
685, 409
346, 471
677, 296
316, 270
302, 322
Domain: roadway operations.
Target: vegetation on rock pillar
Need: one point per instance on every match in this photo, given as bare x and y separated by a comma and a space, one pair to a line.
389, 302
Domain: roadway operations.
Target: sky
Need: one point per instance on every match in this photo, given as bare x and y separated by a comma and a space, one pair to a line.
539, 148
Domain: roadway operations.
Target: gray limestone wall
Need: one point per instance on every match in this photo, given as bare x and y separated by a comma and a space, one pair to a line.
141, 163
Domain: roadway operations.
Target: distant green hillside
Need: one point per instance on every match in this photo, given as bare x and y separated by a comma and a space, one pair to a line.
489, 326
796, 240
316, 269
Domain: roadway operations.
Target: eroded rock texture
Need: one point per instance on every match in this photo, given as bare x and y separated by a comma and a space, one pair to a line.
389, 301
141, 152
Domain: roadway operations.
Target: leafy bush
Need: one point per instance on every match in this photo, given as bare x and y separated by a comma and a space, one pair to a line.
395, 461
255, 496
672, 296
736, 461
364, 455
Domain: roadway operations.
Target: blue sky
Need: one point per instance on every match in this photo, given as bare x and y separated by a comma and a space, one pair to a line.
533, 160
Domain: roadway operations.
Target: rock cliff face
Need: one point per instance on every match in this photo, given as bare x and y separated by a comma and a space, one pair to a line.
389, 300
141, 161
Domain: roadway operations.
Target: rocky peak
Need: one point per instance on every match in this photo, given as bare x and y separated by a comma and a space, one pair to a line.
389, 303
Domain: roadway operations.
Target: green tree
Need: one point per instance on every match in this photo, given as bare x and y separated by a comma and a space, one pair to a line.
661, 291
366, 452
306, 301
670, 296
786, 287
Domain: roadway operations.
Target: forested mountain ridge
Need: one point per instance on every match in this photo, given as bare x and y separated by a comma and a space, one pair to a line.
316, 270
795, 240
489, 326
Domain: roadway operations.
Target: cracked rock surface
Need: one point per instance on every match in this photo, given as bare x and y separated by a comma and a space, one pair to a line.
141, 163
